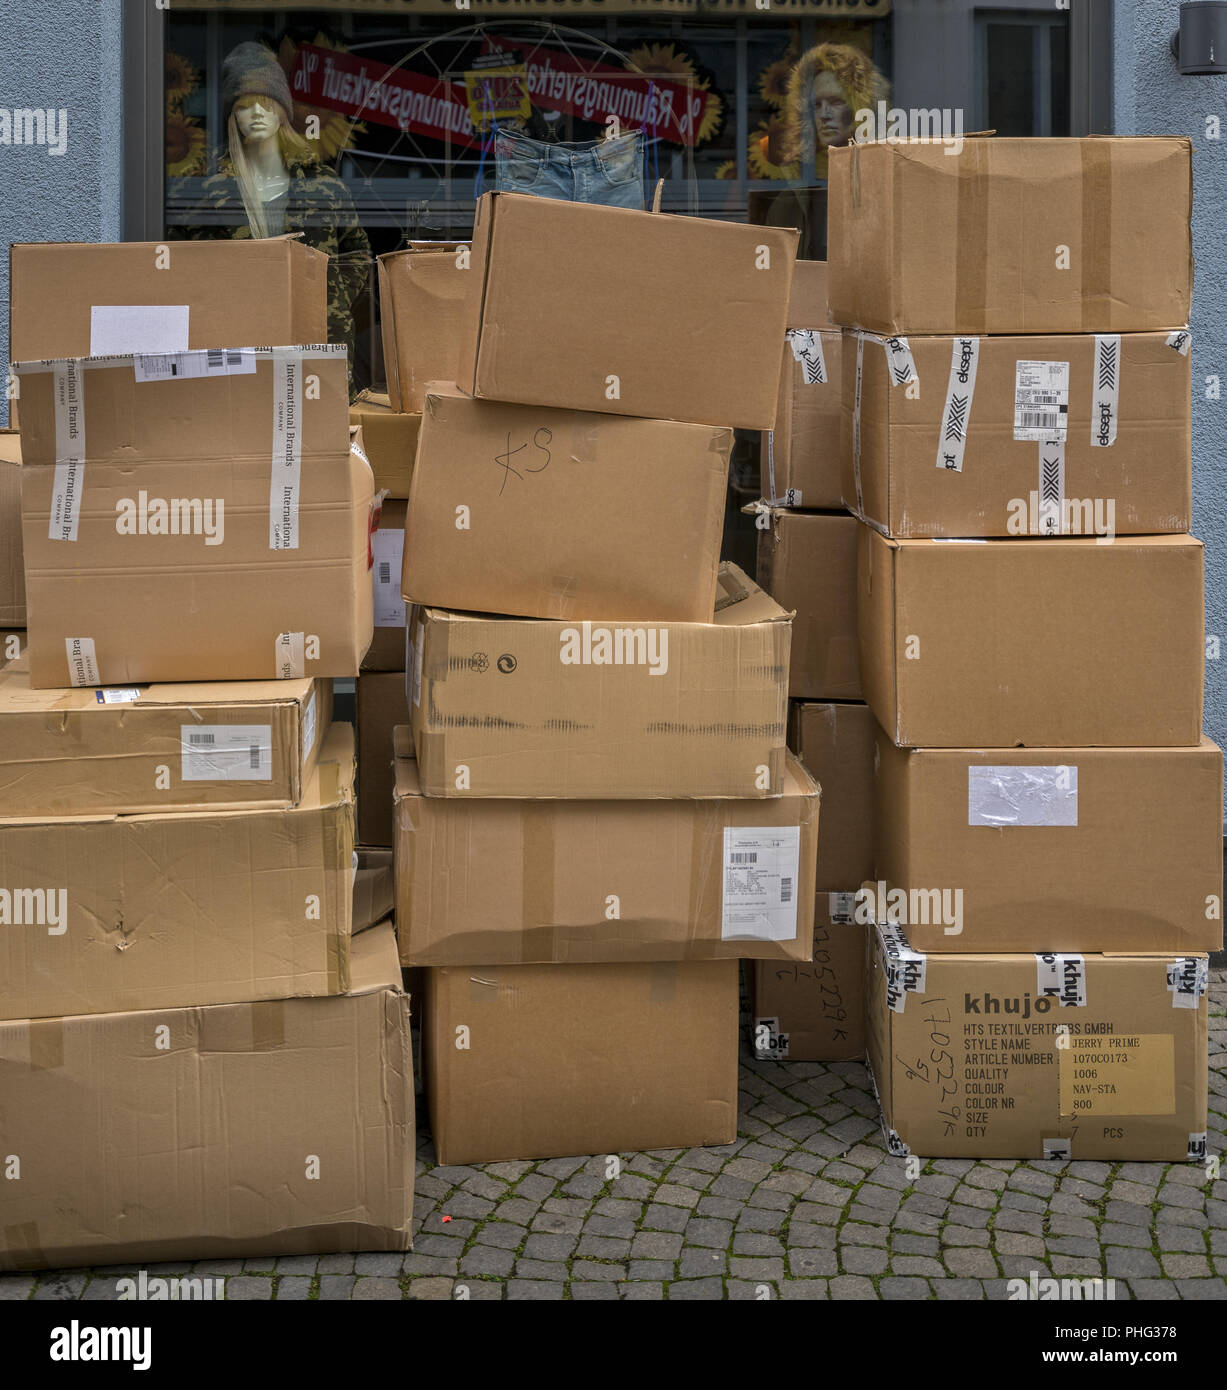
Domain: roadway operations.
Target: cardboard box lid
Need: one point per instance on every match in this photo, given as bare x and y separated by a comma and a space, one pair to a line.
807, 303
374, 962
373, 403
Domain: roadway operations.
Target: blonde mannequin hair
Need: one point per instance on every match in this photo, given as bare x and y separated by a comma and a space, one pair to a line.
291, 146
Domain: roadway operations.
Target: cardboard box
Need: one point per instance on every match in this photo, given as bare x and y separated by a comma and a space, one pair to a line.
962, 456
522, 707
184, 908
187, 1134
544, 513
390, 439
835, 742
176, 549
1012, 235
593, 308
382, 704
800, 457
580, 1059
814, 1012
77, 299
1038, 1056
374, 888
387, 649
1069, 849
241, 744
807, 563
424, 317
12, 572
528, 882
1060, 643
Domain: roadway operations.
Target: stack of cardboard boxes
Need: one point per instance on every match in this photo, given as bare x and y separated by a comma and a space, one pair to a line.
595, 813
198, 1055
1030, 608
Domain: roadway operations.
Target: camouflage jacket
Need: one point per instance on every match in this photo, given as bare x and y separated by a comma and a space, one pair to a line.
318, 206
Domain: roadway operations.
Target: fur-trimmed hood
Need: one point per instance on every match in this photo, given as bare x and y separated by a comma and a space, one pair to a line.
859, 80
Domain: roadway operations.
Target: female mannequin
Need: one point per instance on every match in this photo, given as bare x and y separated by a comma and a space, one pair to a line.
272, 182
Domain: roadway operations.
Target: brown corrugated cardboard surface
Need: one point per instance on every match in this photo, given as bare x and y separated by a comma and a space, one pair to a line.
813, 1012
580, 1059
1060, 642
523, 882
188, 1134
12, 573
699, 710
387, 649
390, 439
909, 486
1070, 849
148, 748
634, 313
564, 513
381, 704
923, 240
835, 742
183, 908
423, 291
238, 293
807, 300
374, 888
172, 607
807, 563
968, 1061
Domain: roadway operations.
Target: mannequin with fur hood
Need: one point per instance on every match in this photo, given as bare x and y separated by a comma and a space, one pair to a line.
826, 89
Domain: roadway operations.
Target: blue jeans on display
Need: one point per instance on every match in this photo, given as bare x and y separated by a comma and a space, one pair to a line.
608, 172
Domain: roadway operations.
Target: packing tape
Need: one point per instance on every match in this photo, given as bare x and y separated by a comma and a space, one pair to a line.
537, 887
960, 392
806, 345
46, 1044
706, 851
662, 982
1058, 1148
285, 482
971, 249
1188, 979
1181, 341
69, 478
22, 1240
1096, 231
289, 656
1061, 976
1051, 518
856, 422
1105, 387
267, 1025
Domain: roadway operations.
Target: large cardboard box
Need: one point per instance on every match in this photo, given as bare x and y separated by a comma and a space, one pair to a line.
1011, 235
205, 520
800, 457
836, 743
807, 563
525, 882
1038, 1056
814, 1011
229, 1131
382, 705
1021, 436
241, 744
423, 308
523, 707
76, 299
593, 308
374, 888
1060, 643
12, 571
391, 615
1051, 849
580, 1059
183, 908
546, 513
390, 439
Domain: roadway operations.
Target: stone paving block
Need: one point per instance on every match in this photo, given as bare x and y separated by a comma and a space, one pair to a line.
964, 1290
808, 1290
60, 1287
293, 1288
334, 1287
556, 1223
852, 1286
603, 1248
643, 1291
487, 1259
1179, 1238
386, 1262
1126, 1263
1200, 1290
1186, 1266
1154, 1289
659, 1217
966, 1260
697, 1263
701, 1289
863, 1259
535, 1290
374, 1287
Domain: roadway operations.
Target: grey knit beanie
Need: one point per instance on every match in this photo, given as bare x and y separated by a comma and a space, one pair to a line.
250, 69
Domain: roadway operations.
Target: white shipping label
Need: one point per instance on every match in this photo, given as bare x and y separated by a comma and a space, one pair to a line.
289, 656
1052, 519
287, 450
187, 366
1188, 979
116, 697
760, 883
1105, 406
226, 752
961, 387
1063, 978
388, 546
1022, 795
1181, 341
1041, 400
806, 344
841, 906
124, 328
308, 729
69, 452
82, 663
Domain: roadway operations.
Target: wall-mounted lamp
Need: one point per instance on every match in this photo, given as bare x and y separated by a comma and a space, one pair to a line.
1200, 44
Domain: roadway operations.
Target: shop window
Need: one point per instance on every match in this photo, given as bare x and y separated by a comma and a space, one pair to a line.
1023, 67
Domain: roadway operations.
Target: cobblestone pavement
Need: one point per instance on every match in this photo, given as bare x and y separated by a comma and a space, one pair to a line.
806, 1204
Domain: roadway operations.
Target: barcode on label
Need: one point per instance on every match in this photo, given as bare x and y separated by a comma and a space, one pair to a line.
786, 890
385, 572
199, 739
216, 358
744, 858
1042, 419
254, 750
224, 358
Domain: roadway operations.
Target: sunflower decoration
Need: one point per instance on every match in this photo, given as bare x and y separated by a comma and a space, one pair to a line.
181, 79
668, 61
185, 138
336, 130
773, 80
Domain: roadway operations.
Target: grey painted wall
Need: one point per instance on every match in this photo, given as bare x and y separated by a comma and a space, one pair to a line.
64, 55
1151, 98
